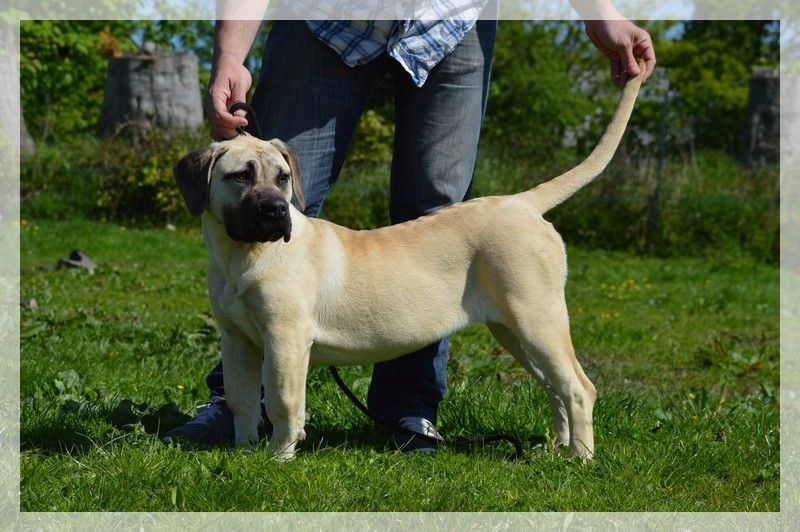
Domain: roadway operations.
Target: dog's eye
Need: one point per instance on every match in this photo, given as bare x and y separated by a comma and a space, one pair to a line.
283, 178
242, 177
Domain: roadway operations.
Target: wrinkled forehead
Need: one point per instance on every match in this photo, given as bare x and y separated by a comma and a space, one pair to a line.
245, 151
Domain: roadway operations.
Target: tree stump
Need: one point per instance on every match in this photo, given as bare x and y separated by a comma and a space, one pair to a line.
149, 90
763, 136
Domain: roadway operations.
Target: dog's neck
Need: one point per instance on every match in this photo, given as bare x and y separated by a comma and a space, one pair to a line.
242, 263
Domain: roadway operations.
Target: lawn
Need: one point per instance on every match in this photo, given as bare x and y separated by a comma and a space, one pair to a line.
684, 352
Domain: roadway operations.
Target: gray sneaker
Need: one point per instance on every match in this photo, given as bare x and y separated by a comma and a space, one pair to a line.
416, 435
212, 426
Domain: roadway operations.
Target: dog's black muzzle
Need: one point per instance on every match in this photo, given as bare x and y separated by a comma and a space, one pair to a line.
259, 219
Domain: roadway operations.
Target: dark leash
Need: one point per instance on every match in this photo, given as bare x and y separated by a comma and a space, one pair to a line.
254, 129
460, 441
252, 126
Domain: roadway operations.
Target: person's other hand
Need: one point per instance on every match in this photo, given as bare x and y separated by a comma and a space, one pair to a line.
623, 43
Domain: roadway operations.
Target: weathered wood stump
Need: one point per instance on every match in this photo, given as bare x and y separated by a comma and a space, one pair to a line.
148, 90
763, 136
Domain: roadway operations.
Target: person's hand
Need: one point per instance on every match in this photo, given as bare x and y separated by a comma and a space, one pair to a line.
623, 43
230, 81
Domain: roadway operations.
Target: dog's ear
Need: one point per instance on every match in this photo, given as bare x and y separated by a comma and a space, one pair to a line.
294, 164
193, 174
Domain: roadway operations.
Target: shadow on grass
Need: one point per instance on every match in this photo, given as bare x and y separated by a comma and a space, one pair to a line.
56, 437
78, 428
74, 427
324, 438
365, 438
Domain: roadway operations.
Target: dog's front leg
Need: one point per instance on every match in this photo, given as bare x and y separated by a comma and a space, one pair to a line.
241, 362
286, 358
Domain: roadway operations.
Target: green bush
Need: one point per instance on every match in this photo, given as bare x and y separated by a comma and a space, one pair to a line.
717, 203
117, 179
360, 198
373, 139
706, 202
531, 104
62, 180
145, 187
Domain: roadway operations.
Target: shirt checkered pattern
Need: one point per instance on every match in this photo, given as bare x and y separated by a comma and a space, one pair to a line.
418, 45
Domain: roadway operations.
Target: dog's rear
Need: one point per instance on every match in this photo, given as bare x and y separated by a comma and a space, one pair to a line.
538, 335
509, 273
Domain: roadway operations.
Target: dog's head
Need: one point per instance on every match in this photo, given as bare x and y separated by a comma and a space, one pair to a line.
245, 183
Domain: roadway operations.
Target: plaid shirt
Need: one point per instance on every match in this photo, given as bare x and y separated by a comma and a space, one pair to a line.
418, 45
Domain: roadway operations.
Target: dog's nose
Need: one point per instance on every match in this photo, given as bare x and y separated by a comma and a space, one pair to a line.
274, 209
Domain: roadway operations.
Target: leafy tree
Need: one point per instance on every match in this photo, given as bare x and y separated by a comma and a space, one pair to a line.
62, 72
531, 100
709, 66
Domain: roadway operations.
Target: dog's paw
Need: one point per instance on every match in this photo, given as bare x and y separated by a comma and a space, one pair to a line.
285, 456
580, 451
283, 451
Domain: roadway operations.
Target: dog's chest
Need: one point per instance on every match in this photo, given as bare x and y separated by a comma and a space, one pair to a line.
234, 310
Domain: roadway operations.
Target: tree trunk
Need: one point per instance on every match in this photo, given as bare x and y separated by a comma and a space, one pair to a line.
763, 138
148, 90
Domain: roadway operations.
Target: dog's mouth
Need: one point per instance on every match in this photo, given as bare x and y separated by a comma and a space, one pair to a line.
251, 223
261, 232
273, 235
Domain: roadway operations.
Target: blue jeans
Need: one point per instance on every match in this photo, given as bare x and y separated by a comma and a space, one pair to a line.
308, 97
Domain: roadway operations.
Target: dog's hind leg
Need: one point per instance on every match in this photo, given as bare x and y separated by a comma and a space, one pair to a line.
543, 333
509, 341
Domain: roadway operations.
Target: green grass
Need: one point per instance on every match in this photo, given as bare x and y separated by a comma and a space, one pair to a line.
684, 352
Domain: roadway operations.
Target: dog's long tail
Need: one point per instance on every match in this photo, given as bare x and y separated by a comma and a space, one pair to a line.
554, 192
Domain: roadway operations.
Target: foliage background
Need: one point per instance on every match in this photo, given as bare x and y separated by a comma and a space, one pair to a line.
63, 66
